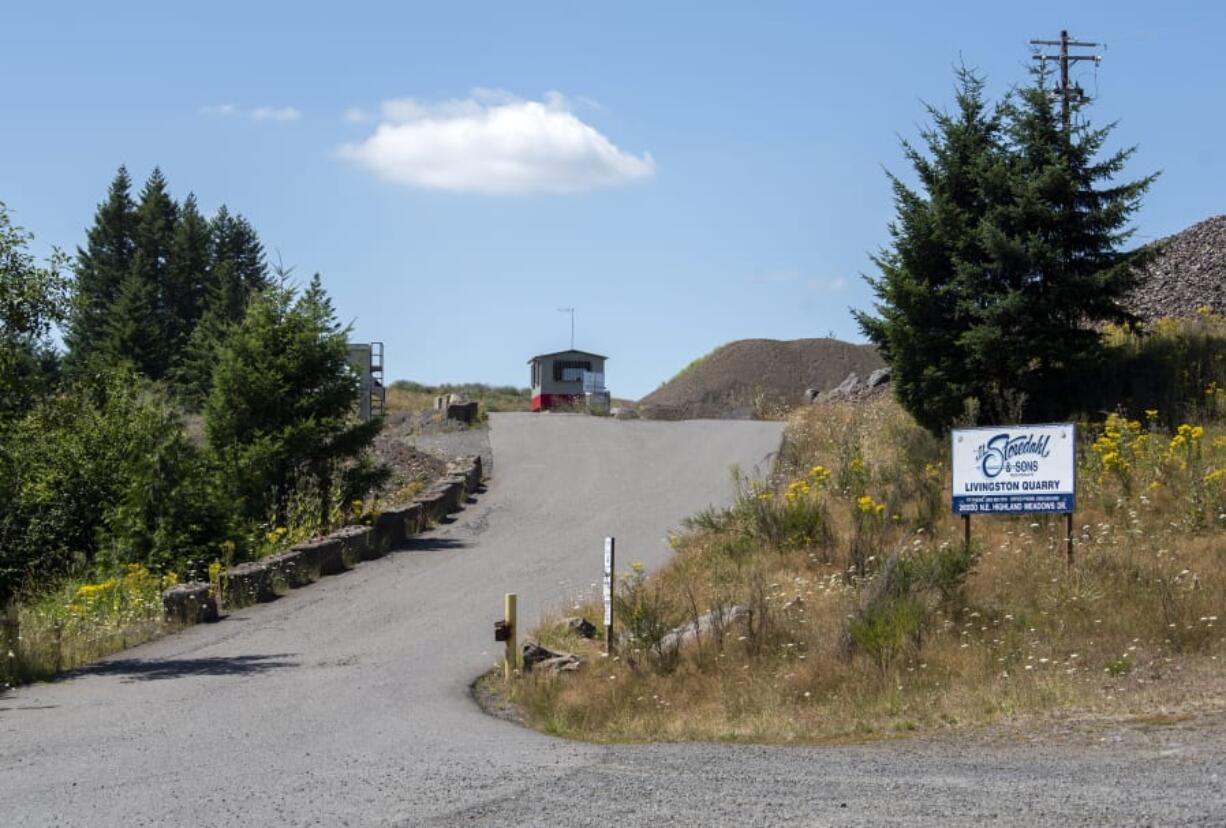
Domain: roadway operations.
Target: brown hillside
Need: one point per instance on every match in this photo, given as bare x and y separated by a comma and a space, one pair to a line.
733, 379
1188, 274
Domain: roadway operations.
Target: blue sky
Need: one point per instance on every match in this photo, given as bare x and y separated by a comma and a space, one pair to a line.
684, 174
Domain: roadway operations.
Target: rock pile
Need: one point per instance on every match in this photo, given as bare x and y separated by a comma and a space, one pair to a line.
851, 388
1188, 274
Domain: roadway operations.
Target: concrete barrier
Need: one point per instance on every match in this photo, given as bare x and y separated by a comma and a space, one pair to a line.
305, 563
189, 603
389, 527
247, 584
297, 567
358, 542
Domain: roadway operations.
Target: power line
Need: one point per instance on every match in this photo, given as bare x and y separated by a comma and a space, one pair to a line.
1068, 94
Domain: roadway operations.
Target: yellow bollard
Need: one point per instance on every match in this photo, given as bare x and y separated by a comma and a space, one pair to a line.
511, 661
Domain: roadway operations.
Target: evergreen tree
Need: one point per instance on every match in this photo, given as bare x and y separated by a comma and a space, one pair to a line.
1002, 264
139, 321
280, 413
1056, 267
237, 270
188, 276
101, 268
935, 250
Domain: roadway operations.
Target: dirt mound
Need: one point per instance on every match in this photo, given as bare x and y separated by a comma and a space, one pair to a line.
1189, 273
742, 378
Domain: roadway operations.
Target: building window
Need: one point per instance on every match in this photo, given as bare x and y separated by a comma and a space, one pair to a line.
570, 370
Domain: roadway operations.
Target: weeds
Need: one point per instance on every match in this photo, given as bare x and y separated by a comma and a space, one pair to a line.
867, 614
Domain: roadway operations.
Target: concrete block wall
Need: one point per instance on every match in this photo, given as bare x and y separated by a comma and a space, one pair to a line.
305, 563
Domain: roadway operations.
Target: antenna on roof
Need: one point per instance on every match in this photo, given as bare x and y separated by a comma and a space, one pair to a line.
571, 311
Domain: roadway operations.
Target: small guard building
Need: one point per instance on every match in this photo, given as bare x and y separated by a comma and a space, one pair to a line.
565, 378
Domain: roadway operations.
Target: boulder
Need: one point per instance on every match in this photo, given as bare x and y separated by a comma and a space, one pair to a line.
581, 627
845, 390
879, 377
622, 413
462, 412
535, 655
189, 603
811, 394
711, 624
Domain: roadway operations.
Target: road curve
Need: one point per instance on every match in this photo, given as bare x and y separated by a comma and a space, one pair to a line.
347, 703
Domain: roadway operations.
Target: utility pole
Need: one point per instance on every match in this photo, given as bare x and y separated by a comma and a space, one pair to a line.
1066, 93
571, 311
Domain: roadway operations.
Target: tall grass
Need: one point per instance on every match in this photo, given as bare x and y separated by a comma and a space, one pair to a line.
869, 615
81, 622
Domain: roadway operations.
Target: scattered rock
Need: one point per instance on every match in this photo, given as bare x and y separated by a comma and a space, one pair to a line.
534, 655
581, 627
879, 377
845, 390
713, 623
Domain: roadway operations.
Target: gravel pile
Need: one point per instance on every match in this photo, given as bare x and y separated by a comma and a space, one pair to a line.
742, 378
1189, 273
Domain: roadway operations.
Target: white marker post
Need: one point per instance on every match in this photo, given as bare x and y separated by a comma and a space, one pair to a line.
609, 544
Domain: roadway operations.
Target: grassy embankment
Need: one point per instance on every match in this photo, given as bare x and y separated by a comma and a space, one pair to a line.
870, 617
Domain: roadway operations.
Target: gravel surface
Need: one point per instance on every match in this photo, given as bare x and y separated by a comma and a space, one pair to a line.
1189, 273
735, 378
348, 703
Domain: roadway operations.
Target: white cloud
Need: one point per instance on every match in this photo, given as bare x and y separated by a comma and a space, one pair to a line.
493, 142
795, 278
356, 115
259, 113
220, 110
275, 113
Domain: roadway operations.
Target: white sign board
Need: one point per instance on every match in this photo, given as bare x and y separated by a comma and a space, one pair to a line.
608, 582
1015, 469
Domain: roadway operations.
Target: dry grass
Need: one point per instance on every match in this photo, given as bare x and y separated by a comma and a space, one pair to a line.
411, 397
863, 626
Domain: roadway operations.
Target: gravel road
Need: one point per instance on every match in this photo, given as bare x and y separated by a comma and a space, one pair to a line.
348, 703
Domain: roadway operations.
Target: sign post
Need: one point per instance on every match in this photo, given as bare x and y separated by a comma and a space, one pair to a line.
609, 544
1013, 470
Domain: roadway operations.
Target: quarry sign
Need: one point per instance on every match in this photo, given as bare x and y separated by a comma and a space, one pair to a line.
1014, 469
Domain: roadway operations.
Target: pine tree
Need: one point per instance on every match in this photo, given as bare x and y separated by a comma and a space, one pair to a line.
1056, 266
236, 271
138, 323
1001, 267
187, 278
100, 269
935, 249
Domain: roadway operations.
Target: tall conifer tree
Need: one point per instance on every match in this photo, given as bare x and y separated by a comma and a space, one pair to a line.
188, 277
101, 267
237, 270
139, 321
1004, 262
